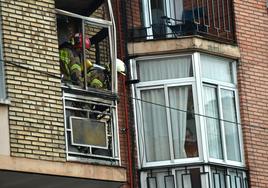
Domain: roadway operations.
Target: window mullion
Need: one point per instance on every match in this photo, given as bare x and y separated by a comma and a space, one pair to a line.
140, 127
223, 141
170, 137
239, 127
202, 148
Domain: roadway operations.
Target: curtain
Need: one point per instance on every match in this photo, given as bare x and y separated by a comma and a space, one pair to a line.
231, 129
216, 68
213, 125
154, 116
155, 125
161, 69
178, 98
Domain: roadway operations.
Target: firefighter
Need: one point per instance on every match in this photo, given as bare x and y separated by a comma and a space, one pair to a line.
70, 58
96, 77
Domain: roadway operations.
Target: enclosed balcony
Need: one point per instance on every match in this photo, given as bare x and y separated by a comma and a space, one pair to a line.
162, 19
87, 54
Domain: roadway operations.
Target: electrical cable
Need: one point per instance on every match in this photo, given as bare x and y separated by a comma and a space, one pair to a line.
17, 64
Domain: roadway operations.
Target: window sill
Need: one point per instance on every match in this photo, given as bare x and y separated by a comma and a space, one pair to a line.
5, 102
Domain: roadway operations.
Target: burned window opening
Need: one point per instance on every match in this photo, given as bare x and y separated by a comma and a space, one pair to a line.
85, 53
90, 129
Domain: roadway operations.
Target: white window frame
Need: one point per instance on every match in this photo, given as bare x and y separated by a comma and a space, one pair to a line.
110, 25
197, 86
165, 84
231, 87
79, 156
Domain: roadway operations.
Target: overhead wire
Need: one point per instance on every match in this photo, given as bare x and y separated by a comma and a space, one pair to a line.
18, 64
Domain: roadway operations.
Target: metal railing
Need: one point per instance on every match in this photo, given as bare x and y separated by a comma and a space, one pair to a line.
177, 18
202, 176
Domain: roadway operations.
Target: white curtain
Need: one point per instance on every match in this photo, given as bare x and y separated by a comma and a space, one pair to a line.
231, 129
155, 125
157, 146
167, 68
178, 98
216, 68
213, 126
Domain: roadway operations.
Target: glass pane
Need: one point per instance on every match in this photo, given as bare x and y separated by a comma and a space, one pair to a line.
231, 129
166, 68
151, 182
158, 11
212, 122
183, 122
155, 125
160, 178
216, 68
88, 132
218, 178
183, 179
98, 61
169, 181
236, 179
2, 80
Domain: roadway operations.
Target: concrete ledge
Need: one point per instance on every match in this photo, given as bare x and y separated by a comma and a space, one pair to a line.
4, 131
185, 44
88, 171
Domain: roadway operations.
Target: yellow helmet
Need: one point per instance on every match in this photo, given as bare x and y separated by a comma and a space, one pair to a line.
88, 64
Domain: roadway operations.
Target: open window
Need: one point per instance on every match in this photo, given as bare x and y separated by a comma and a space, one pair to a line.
86, 45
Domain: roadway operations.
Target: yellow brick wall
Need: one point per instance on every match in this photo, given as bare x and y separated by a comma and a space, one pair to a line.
36, 110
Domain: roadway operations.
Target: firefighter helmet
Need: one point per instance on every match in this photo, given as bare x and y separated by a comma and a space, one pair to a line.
78, 41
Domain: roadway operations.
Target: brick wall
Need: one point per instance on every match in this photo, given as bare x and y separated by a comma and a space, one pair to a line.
35, 114
252, 34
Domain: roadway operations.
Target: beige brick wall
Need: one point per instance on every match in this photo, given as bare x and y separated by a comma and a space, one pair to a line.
36, 111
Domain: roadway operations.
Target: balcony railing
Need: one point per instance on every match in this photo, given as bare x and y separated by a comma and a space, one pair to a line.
203, 176
176, 18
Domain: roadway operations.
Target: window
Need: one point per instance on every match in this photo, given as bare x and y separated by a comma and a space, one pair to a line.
91, 128
2, 73
86, 50
186, 112
167, 135
220, 102
155, 12
87, 56
2, 83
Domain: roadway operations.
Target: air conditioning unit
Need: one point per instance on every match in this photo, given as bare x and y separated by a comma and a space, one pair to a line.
88, 132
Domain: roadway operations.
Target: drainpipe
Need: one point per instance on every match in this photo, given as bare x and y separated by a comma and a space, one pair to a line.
123, 80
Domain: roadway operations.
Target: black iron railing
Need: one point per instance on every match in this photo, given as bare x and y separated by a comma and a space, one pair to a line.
203, 176
172, 19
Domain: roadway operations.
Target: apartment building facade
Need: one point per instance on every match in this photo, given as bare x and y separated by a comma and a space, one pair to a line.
191, 111
61, 120
197, 74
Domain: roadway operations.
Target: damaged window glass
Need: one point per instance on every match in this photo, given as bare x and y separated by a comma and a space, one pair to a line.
90, 129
